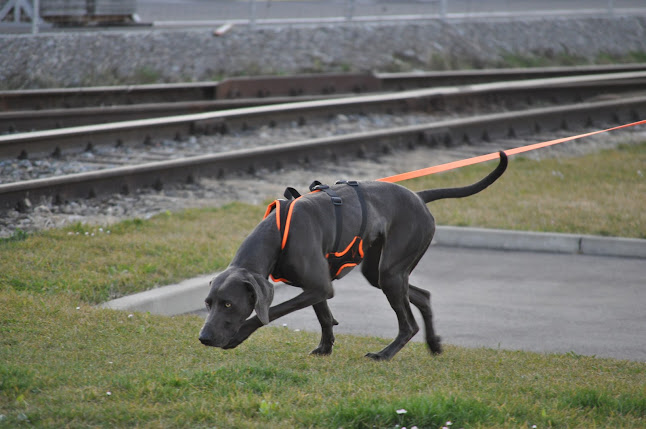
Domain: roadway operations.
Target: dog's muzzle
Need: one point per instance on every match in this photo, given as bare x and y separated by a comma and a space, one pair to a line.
213, 338
207, 339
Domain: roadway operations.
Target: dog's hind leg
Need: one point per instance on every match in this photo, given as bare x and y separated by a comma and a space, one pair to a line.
395, 287
327, 322
394, 284
421, 298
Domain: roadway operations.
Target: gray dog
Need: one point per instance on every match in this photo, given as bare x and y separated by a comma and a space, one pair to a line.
388, 228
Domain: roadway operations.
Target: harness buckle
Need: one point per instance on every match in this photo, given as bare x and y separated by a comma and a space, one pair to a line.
337, 201
318, 186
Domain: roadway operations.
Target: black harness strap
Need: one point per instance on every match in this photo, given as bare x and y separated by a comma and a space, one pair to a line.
362, 201
291, 193
338, 213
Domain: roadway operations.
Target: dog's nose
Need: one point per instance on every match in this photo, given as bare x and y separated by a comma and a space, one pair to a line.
204, 337
205, 340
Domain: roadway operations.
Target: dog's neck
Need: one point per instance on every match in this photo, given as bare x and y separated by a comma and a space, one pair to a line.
259, 252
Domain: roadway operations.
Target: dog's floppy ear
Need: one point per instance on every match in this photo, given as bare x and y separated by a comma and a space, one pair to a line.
264, 294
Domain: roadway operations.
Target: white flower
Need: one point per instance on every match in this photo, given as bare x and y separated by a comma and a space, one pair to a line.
108, 393
449, 423
78, 308
401, 411
130, 316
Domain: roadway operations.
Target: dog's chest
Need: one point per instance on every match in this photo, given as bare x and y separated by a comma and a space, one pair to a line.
340, 260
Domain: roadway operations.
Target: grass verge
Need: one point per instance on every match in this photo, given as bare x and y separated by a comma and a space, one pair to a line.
65, 363
66, 367
597, 194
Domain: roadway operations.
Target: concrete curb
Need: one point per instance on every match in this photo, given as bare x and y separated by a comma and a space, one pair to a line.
180, 298
498, 239
184, 297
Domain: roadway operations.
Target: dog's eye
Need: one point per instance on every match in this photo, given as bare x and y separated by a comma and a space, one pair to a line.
227, 305
208, 304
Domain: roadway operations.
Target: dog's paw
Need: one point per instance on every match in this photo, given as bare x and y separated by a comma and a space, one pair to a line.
376, 356
322, 351
435, 346
248, 328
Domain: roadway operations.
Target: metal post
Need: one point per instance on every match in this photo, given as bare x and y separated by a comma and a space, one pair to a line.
611, 7
252, 13
350, 11
443, 9
17, 17
35, 17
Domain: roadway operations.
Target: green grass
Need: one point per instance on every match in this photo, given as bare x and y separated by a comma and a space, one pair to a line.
58, 363
598, 194
60, 355
136, 255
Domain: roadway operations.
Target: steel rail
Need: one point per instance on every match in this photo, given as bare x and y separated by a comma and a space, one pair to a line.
61, 118
231, 88
32, 120
412, 80
74, 139
187, 170
59, 98
278, 86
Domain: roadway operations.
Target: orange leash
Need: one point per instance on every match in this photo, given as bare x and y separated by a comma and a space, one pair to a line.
491, 156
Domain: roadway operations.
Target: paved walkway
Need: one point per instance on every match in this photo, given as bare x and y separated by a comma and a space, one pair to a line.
536, 301
217, 10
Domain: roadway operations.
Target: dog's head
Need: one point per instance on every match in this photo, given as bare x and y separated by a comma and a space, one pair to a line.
234, 295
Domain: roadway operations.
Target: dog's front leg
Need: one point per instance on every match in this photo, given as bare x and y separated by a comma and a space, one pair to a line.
305, 299
327, 322
248, 327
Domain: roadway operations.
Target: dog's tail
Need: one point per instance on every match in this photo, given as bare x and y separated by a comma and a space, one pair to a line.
438, 194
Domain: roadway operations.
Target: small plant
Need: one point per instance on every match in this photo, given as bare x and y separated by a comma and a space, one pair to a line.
147, 74
17, 235
266, 408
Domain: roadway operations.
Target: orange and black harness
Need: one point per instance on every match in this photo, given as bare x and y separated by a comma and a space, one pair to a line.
338, 261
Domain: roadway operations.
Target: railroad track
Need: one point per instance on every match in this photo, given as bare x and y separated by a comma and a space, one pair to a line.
467, 99
476, 129
29, 110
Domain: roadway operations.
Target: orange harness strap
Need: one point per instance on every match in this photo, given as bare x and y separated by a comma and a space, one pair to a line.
338, 261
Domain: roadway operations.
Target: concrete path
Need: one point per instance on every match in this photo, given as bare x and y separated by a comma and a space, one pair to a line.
161, 11
541, 302
528, 291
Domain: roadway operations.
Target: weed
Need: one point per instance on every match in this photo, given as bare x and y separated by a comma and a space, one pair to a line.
17, 235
